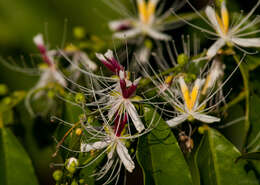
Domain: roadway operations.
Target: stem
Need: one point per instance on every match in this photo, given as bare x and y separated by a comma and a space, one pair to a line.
245, 76
64, 137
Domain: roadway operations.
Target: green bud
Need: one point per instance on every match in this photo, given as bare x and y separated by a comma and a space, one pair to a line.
90, 119
189, 78
127, 144
81, 181
79, 98
182, 59
71, 164
148, 44
3, 89
74, 183
57, 175
79, 32
7, 100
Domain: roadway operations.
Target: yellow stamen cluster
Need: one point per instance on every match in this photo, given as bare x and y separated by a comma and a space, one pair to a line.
146, 10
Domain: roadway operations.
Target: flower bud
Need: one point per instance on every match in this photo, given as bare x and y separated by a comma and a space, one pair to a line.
78, 131
3, 89
182, 59
79, 32
74, 182
71, 164
57, 175
79, 98
81, 181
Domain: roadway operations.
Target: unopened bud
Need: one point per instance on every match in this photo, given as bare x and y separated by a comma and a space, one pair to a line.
79, 32
202, 129
74, 182
79, 98
3, 89
81, 181
78, 131
57, 175
71, 164
182, 59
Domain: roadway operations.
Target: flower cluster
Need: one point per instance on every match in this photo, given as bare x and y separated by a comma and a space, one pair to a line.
186, 88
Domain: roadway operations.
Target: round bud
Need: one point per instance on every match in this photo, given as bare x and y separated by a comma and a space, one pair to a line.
71, 164
79, 98
74, 183
81, 181
3, 89
57, 175
78, 131
79, 32
182, 59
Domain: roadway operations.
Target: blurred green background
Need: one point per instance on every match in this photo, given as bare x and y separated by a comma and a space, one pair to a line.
20, 20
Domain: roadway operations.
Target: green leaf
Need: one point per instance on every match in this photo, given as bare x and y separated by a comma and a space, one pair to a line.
216, 160
252, 62
250, 156
254, 134
193, 168
16, 166
159, 154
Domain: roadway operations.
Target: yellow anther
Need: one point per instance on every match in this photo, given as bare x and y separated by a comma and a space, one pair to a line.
220, 23
142, 8
146, 10
225, 16
190, 98
194, 95
185, 93
168, 80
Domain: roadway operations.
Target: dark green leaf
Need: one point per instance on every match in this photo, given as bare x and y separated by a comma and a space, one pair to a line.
16, 167
216, 160
250, 156
254, 134
159, 154
252, 62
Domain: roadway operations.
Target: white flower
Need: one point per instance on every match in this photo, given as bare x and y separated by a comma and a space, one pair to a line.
190, 108
49, 74
231, 34
120, 101
113, 143
147, 23
109, 141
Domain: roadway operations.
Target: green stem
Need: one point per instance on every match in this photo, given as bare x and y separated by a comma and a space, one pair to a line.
245, 76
